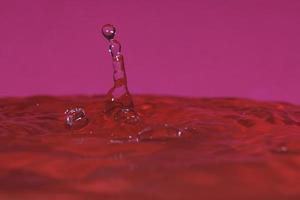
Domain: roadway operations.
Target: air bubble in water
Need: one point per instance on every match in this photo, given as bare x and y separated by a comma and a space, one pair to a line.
76, 118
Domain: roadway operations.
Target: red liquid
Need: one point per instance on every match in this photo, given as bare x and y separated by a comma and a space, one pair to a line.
186, 149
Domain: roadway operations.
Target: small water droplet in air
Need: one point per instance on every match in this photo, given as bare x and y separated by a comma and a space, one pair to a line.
76, 118
108, 31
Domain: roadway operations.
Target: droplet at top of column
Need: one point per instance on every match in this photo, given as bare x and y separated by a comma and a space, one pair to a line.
108, 31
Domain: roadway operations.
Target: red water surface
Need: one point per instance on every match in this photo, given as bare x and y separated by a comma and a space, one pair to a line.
183, 148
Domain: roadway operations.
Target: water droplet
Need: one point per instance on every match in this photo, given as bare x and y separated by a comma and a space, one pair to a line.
119, 103
76, 118
108, 31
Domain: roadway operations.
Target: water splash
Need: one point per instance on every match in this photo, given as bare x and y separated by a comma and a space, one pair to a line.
76, 118
118, 103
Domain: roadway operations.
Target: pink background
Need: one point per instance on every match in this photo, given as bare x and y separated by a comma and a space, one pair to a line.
188, 47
